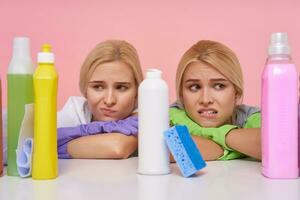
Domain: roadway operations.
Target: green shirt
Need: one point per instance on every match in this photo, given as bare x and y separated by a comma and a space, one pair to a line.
247, 117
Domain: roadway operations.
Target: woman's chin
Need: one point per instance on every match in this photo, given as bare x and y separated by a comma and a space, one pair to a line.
105, 118
208, 124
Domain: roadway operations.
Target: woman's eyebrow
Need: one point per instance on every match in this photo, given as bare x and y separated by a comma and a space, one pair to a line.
95, 81
123, 83
218, 80
116, 83
192, 80
212, 79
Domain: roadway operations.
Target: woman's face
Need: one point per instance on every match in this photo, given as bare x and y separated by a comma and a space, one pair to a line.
111, 91
208, 97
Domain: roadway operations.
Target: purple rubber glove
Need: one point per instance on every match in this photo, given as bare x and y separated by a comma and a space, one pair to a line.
128, 126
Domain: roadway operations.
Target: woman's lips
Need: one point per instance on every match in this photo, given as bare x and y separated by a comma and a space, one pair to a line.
107, 112
208, 113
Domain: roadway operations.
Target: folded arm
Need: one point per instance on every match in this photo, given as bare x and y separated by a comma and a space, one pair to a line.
246, 141
208, 148
117, 136
112, 145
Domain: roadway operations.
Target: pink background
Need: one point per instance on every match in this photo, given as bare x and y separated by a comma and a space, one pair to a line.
160, 30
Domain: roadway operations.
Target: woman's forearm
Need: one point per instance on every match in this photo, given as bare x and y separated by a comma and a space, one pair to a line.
246, 141
112, 145
208, 148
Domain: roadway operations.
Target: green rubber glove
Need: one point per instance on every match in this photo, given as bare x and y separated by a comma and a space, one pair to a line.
178, 116
230, 155
218, 135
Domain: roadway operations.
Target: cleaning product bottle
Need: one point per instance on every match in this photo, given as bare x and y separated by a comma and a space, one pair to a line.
299, 136
19, 93
1, 134
45, 80
279, 111
153, 105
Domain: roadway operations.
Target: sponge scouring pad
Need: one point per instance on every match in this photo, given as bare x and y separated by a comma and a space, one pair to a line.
184, 150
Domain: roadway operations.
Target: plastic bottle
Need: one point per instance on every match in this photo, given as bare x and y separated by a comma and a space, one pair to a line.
1, 134
299, 136
153, 105
45, 80
19, 93
279, 111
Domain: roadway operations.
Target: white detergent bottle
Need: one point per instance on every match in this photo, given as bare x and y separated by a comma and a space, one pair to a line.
153, 106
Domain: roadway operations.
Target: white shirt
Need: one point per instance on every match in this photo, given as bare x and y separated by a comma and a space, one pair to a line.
74, 113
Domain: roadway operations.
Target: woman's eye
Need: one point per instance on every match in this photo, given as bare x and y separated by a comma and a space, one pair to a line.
97, 87
219, 86
194, 88
121, 87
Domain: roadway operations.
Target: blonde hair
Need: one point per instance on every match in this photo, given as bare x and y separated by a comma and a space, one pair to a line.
109, 51
216, 55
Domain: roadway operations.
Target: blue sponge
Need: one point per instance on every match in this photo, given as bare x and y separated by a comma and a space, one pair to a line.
184, 150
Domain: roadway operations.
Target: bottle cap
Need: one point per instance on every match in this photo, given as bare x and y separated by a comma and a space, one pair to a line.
279, 44
153, 73
21, 47
46, 56
21, 59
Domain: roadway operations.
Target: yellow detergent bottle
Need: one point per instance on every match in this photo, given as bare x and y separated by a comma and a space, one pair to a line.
45, 80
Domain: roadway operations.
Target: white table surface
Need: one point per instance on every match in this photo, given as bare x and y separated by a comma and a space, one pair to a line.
117, 179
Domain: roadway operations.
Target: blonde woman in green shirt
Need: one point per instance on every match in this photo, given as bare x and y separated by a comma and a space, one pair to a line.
209, 86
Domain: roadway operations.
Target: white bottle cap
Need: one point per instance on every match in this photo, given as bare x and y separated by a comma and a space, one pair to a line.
153, 73
21, 47
279, 44
46, 56
20, 62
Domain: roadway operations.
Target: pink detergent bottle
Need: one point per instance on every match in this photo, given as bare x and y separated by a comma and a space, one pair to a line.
279, 106
299, 136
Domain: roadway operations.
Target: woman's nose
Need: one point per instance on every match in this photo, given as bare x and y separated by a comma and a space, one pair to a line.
206, 97
110, 98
